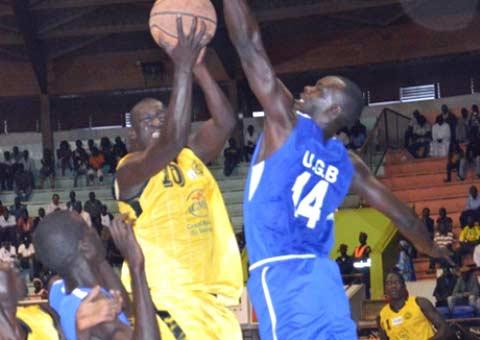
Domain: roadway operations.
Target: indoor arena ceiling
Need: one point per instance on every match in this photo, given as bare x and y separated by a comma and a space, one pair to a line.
44, 30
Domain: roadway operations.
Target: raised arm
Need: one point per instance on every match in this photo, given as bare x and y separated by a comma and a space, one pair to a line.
143, 165
379, 197
443, 330
272, 94
146, 326
210, 139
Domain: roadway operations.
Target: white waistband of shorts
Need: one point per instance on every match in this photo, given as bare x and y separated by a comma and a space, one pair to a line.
281, 259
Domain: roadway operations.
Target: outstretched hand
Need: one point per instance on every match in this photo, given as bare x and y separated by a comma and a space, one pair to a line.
126, 243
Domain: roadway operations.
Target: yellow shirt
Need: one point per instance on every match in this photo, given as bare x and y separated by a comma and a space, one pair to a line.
408, 324
470, 234
40, 323
185, 233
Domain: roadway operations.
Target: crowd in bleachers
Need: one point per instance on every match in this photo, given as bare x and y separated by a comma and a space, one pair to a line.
354, 137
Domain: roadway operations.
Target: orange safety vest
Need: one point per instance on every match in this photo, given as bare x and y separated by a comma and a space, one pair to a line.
360, 251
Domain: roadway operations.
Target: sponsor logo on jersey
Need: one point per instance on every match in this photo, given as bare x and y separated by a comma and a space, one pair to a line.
198, 168
197, 204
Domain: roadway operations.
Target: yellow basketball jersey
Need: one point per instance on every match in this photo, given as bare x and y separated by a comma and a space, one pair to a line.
408, 324
183, 227
40, 322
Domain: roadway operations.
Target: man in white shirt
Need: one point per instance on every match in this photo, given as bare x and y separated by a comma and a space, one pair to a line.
8, 225
441, 138
8, 253
85, 215
55, 205
25, 253
105, 217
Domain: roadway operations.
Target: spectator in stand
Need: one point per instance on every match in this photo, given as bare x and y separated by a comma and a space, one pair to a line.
105, 217
455, 161
91, 145
441, 136
23, 185
342, 135
8, 253
463, 127
232, 157
72, 201
358, 135
96, 162
48, 169
444, 286
107, 151
26, 256
94, 208
80, 166
39, 218
38, 290
466, 290
450, 119
443, 239
17, 207
24, 225
470, 236
6, 173
250, 142
345, 263
428, 221
420, 138
8, 225
475, 120
27, 162
79, 151
119, 148
64, 156
443, 218
405, 261
2, 208
16, 159
85, 215
409, 132
472, 208
55, 205
476, 255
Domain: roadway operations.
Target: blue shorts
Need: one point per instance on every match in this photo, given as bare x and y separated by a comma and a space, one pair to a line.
301, 299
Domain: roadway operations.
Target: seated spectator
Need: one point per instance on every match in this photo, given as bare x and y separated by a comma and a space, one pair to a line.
16, 159
24, 225
405, 262
250, 142
443, 218
409, 317
119, 148
107, 151
421, 138
441, 135
472, 208
76, 255
8, 225
342, 135
232, 157
72, 201
91, 145
428, 221
55, 205
94, 208
463, 127
39, 218
345, 263
79, 151
48, 169
8, 253
466, 290
409, 131
26, 255
80, 167
27, 162
95, 162
474, 120
23, 185
105, 217
85, 215
455, 162
358, 135
17, 207
443, 239
38, 290
444, 286
470, 236
6, 172
64, 156
450, 119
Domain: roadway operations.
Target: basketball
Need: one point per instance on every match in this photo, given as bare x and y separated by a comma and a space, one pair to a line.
163, 19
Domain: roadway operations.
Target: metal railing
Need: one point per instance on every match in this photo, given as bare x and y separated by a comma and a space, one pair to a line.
387, 133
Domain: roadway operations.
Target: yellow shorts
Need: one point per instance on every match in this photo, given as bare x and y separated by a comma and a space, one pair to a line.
196, 316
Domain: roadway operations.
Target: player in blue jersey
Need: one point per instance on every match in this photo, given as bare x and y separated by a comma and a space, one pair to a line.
299, 177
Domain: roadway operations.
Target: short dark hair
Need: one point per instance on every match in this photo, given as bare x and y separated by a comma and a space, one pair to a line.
397, 274
56, 240
352, 102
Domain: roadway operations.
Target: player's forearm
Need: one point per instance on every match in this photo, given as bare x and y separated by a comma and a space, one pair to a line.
218, 104
111, 281
146, 326
416, 232
241, 24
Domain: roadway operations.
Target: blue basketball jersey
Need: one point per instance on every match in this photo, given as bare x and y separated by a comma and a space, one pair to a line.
290, 197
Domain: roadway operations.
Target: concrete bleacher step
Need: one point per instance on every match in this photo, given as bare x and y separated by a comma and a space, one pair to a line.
415, 166
455, 188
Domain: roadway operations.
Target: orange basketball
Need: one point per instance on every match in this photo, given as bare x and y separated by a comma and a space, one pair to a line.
163, 19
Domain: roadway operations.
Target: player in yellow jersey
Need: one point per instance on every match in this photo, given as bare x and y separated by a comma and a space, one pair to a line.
192, 260
409, 317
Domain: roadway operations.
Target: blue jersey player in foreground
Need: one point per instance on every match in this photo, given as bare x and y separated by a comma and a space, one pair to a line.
299, 177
